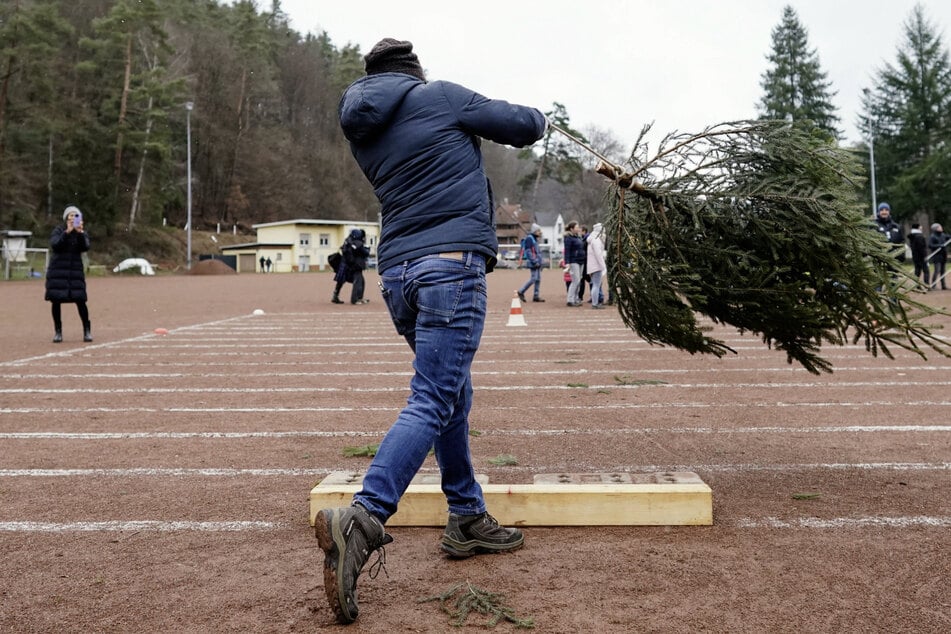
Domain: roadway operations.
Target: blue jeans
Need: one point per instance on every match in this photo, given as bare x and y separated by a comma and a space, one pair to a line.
576, 282
439, 305
596, 295
536, 279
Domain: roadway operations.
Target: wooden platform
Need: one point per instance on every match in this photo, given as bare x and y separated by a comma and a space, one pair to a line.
561, 499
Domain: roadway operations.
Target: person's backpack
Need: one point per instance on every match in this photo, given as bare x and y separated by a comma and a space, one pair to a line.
334, 260
523, 253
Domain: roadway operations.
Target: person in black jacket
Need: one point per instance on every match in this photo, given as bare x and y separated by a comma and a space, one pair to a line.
355, 254
891, 231
938, 243
919, 253
65, 278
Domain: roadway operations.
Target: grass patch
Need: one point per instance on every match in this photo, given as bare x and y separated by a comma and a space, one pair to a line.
504, 460
626, 380
577, 385
462, 599
367, 451
806, 496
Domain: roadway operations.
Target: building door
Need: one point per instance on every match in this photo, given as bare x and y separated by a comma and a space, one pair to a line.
303, 263
246, 263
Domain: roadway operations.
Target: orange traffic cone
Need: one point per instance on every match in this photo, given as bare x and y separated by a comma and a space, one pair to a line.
515, 315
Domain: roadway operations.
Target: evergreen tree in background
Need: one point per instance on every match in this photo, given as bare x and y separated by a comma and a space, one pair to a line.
907, 114
795, 87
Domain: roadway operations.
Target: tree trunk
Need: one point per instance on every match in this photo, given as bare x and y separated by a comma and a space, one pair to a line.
123, 106
138, 179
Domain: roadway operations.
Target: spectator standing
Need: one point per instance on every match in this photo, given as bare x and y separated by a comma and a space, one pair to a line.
417, 142
66, 277
938, 244
355, 254
890, 230
596, 265
919, 253
340, 277
267, 264
530, 253
261, 260
575, 257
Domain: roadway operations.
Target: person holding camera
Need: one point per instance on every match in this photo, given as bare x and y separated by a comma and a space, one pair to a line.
66, 278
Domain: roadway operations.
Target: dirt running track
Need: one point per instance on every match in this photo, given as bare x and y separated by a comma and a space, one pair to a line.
159, 483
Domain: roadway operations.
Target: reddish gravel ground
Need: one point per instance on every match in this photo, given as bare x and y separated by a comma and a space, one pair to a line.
159, 483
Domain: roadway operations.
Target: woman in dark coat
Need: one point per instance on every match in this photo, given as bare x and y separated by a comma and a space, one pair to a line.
355, 254
65, 278
351, 267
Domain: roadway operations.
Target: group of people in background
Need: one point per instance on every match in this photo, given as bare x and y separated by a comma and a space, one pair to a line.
929, 255
584, 262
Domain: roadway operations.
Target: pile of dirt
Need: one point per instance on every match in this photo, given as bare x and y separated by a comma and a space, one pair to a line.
211, 267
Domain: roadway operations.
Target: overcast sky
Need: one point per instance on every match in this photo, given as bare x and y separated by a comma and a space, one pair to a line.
619, 64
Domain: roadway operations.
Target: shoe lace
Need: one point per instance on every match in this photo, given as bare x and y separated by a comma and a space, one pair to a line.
379, 565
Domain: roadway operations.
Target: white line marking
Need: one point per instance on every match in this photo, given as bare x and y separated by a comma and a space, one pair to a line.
138, 526
134, 526
156, 472
483, 388
109, 344
539, 407
402, 373
846, 429
847, 522
276, 472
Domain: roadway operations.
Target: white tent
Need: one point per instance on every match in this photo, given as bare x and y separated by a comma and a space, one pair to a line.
130, 263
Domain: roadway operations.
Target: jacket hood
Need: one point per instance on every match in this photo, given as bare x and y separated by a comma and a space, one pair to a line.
368, 105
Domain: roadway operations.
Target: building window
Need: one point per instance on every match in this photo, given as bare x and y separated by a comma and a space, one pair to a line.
278, 257
305, 239
324, 239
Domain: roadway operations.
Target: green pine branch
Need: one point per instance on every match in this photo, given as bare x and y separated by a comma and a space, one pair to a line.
757, 224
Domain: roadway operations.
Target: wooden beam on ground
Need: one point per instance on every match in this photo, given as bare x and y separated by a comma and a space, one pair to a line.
566, 499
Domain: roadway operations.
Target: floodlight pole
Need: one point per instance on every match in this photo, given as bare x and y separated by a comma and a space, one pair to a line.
188, 126
871, 161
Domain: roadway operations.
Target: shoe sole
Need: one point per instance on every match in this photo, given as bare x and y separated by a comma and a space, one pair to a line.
461, 550
330, 539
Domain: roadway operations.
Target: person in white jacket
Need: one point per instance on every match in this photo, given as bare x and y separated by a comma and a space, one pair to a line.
596, 265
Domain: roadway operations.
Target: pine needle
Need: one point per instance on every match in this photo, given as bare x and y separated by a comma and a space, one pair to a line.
756, 224
464, 598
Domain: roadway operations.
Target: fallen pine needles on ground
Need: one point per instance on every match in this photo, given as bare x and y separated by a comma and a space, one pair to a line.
464, 598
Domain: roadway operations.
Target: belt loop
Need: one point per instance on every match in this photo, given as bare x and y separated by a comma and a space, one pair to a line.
468, 259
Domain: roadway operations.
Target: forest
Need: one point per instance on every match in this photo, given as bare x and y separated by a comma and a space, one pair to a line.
98, 97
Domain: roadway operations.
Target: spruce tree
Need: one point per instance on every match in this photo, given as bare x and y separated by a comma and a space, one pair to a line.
795, 87
908, 116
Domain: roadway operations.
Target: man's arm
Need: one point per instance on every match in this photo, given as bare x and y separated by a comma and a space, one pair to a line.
494, 119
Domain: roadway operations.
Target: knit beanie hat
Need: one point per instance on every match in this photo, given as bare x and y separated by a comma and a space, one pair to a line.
393, 56
70, 210
536, 229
